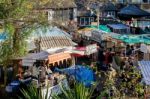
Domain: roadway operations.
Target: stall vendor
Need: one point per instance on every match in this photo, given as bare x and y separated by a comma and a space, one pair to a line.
20, 72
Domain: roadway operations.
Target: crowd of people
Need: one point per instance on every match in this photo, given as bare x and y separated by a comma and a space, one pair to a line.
125, 69
122, 58
105, 58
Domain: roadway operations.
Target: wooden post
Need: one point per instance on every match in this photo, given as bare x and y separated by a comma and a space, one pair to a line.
73, 60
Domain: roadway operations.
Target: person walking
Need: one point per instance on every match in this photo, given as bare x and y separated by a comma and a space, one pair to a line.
101, 57
108, 58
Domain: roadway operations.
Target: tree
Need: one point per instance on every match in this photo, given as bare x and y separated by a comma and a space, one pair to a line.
18, 18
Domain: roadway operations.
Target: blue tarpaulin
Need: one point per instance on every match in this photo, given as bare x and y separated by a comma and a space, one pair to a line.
82, 74
3, 36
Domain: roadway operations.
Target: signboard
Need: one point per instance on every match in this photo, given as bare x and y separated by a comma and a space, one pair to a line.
58, 57
90, 49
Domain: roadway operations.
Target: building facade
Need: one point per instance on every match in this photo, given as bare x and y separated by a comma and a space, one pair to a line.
60, 14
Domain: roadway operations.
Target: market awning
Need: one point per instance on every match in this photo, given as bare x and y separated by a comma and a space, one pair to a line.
31, 58
133, 39
87, 50
118, 26
51, 56
86, 31
145, 48
37, 56
101, 27
145, 68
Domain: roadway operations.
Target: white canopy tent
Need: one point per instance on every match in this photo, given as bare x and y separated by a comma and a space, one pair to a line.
146, 50
145, 70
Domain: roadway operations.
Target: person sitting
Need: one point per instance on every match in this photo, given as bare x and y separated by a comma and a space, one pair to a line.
55, 81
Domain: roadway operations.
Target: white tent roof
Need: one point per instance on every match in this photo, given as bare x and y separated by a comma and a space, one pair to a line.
145, 69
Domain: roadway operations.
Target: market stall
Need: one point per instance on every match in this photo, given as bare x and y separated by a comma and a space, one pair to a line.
30, 59
132, 11
101, 27
119, 28
146, 50
91, 34
89, 50
145, 68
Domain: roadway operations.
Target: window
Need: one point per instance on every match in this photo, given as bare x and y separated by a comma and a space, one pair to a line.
82, 21
111, 13
71, 14
65, 15
121, 1
87, 21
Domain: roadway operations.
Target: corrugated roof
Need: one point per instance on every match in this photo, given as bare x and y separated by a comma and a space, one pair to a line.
145, 69
52, 37
50, 31
53, 42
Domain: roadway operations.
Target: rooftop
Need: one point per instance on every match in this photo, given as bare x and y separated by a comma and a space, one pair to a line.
55, 4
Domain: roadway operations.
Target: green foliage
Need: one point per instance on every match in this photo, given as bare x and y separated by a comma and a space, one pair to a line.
17, 20
31, 93
78, 92
129, 82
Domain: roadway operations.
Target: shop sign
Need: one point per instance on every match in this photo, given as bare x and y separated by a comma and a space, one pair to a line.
90, 49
